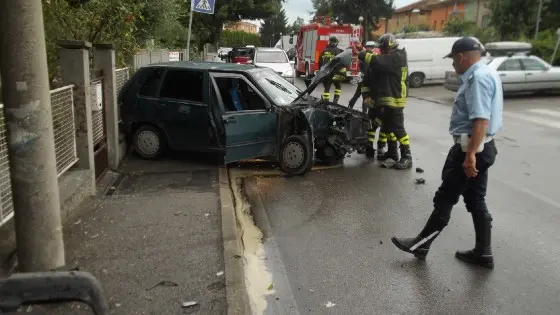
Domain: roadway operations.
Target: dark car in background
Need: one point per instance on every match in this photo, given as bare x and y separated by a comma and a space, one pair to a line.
241, 55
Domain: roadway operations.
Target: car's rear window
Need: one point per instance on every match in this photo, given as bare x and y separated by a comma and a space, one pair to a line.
271, 57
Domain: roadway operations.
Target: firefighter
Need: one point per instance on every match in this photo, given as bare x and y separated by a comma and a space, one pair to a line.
385, 86
339, 75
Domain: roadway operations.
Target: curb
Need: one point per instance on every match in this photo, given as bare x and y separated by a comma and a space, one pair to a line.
236, 294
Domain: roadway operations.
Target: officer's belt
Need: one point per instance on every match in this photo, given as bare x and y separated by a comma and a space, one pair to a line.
457, 139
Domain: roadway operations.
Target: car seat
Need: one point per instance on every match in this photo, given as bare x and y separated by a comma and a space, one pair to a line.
234, 93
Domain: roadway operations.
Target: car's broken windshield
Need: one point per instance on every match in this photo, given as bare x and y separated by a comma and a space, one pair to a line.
280, 91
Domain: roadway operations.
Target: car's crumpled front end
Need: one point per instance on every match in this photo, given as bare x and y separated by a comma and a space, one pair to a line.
336, 130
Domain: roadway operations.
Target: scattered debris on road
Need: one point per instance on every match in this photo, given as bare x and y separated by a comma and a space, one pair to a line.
330, 304
420, 181
419, 170
219, 273
189, 304
163, 284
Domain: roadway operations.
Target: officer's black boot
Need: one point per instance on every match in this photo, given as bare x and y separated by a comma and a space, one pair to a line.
406, 158
481, 254
391, 153
419, 246
381, 147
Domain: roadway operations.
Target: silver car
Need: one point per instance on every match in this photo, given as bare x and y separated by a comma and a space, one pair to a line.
519, 73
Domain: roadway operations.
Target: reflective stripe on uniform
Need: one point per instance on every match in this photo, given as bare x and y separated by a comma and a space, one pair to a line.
382, 137
326, 96
392, 137
337, 92
405, 140
338, 77
364, 89
392, 101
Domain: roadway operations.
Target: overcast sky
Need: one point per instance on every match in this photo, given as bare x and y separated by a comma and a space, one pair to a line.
301, 8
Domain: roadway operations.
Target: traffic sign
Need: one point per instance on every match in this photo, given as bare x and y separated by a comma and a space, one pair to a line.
204, 6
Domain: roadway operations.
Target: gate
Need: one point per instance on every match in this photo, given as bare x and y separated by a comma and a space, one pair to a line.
98, 123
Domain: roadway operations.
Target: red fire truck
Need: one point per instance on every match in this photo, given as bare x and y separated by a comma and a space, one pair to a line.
313, 38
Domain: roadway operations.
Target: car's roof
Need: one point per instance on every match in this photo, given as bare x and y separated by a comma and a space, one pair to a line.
268, 49
204, 65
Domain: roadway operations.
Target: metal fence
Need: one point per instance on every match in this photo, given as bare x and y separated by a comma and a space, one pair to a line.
62, 107
97, 117
122, 76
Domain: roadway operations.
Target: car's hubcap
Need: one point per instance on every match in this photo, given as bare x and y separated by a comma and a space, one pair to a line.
148, 142
294, 155
417, 80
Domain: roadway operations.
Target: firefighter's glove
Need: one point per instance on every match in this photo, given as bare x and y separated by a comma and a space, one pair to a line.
368, 102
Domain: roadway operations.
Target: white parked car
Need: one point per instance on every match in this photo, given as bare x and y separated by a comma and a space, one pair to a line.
277, 60
519, 71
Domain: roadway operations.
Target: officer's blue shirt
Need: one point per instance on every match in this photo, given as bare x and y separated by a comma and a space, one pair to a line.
479, 96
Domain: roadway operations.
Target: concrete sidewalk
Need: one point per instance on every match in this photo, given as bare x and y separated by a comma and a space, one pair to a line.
154, 240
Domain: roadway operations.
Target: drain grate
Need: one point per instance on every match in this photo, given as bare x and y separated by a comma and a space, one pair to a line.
113, 188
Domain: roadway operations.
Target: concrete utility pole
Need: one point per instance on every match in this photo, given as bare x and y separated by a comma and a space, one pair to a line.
538, 19
28, 117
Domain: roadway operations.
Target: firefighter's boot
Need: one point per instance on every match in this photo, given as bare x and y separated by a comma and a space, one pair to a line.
406, 158
481, 254
391, 153
419, 246
370, 151
337, 93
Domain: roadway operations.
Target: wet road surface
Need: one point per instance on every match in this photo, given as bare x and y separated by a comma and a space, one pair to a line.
328, 233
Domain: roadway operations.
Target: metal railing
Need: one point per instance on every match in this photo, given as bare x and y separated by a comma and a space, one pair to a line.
122, 75
64, 128
97, 102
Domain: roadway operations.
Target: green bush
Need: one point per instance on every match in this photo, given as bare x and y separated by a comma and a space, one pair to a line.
237, 38
543, 46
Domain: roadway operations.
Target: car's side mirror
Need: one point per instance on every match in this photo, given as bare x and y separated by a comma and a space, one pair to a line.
292, 62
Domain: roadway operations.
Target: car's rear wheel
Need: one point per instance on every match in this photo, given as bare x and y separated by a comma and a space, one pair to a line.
149, 142
296, 155
416, 80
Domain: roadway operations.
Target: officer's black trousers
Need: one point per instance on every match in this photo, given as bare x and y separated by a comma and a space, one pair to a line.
393, 122
455, 184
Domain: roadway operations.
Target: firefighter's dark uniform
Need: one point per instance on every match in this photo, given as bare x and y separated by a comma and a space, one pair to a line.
339, 75
386, 83
363, 68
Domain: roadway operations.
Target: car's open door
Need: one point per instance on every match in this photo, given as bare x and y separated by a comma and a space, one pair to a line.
248, 118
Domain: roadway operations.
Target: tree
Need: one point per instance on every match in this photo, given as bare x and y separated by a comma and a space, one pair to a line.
238, 38
272, 27
350, 10
208, 27
109, 21
294, 28
510, 21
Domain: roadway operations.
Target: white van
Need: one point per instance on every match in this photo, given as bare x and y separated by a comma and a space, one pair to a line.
425, 59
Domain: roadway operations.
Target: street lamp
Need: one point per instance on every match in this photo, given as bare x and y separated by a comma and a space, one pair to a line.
556, 47
361, 20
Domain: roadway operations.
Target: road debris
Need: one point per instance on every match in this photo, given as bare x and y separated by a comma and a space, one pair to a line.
330, 304
420, 181
219, 273
270, 287
419, 170
189, 304
163, 284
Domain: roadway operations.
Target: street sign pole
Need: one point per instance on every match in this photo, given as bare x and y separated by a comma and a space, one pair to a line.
199, 6
555, 48
190, 31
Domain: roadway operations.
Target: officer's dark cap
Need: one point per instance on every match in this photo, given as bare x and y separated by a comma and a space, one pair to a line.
465, 44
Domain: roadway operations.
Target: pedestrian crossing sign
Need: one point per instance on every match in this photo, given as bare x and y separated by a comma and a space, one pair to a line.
204, 6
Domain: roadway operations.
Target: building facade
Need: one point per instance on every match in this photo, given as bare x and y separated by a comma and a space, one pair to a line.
434, 14
241, 26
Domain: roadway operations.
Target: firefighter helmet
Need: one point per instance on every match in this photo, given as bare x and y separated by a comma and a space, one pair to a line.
333, 41
388, 42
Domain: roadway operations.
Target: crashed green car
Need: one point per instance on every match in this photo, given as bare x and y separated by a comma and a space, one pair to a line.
239, 111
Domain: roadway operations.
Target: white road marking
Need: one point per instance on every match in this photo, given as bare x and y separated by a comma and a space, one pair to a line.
539, 197
535, 120
545, 111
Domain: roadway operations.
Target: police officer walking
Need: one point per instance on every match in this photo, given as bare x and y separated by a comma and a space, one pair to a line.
476, 118
339, 75
385, 86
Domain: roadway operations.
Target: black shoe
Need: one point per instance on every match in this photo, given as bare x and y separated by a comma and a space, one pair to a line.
370, 151
391, 153
481, 254
335, 99
419, 246
408, 245
406, 158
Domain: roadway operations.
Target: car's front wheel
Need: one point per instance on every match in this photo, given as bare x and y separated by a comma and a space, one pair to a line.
296, 155
149, 142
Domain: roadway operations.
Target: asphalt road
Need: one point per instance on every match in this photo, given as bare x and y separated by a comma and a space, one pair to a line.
327, 234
